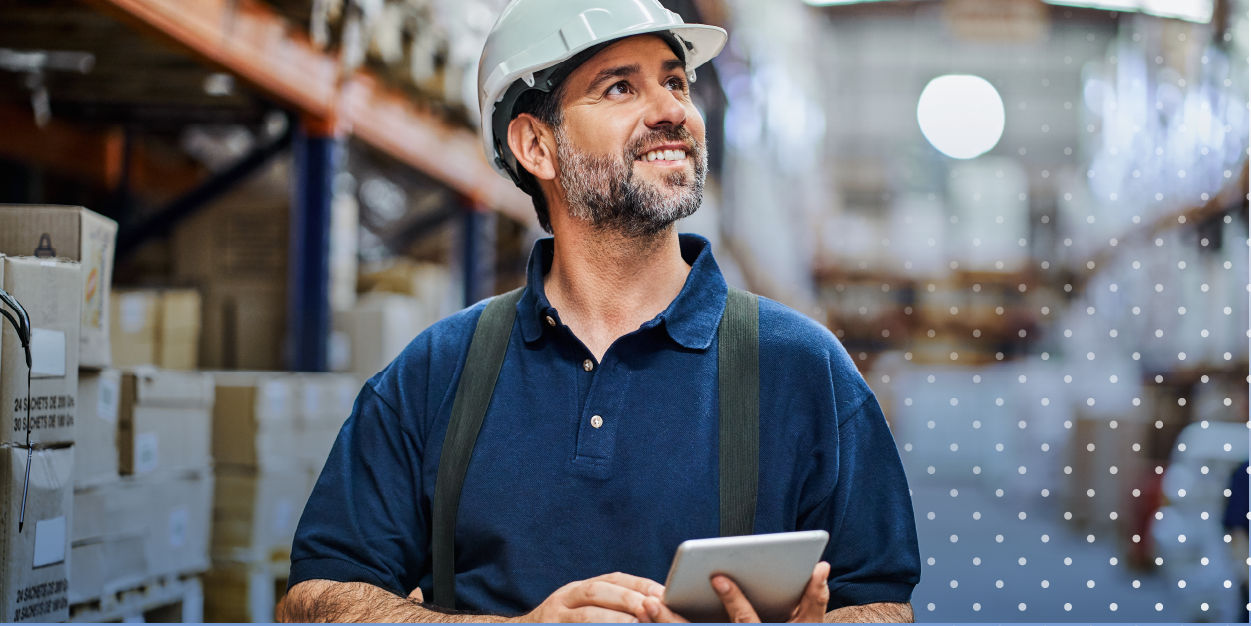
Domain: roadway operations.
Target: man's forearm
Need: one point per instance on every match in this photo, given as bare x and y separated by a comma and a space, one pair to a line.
893, 612
327, 601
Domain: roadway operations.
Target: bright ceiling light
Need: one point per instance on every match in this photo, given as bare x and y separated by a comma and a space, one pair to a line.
961, 115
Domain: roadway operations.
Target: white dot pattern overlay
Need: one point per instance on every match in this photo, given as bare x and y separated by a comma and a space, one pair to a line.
1070, 404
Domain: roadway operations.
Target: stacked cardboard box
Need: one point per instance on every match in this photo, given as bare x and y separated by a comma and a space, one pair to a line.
260, 492
38, 407
159, 327
142, 499
326, 402
76, 234
370, 335
261, 486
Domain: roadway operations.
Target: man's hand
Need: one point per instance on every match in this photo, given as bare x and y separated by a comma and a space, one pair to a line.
611, 598
811, 607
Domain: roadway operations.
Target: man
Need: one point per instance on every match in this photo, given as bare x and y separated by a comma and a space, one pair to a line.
599, 452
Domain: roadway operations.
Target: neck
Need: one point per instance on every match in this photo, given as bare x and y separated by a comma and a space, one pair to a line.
606, 285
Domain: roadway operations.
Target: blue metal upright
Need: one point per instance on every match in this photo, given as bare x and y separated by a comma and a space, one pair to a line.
478, 253
316, 160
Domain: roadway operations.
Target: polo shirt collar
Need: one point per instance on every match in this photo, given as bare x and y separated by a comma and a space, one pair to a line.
691, 320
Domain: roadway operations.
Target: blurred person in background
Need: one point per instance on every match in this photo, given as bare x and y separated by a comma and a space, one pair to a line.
598, 454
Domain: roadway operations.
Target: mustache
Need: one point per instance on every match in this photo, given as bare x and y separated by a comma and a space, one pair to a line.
667, 134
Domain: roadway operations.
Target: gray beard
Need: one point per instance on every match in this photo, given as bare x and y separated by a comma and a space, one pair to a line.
603, 191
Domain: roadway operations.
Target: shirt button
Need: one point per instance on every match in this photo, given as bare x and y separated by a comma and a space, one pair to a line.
551, 321
596, 421
588, 365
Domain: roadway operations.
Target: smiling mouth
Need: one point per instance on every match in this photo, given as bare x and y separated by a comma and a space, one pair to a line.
662, 157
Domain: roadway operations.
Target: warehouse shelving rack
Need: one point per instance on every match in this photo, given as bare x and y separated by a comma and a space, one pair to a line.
326, 102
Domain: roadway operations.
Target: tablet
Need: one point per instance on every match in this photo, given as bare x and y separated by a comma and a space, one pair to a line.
772, 570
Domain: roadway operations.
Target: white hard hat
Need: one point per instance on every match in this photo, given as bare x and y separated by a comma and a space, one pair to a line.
532, 38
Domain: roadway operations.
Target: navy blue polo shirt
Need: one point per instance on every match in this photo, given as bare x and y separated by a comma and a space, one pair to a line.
584, 468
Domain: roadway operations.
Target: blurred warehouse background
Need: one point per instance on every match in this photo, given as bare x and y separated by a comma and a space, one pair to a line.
1025, 219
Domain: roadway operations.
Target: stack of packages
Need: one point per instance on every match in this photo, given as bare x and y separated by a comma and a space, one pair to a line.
271, 434
326, 401
260, 493
157, 327
58, 268
143, 488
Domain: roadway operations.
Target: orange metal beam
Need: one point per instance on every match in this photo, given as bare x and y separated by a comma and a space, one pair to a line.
253, 42
91, 155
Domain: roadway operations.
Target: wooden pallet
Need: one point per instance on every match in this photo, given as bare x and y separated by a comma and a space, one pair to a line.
241, 591
165, 599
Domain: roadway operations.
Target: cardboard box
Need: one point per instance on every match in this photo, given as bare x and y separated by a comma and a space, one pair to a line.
103, 566
50, 292
79, 235
178, 338
243, 592
35, 581
255, 513
235, 252
171, 512
376, 330
164, 422
245, 325
95, 427
326, 399
254, 420
156, 327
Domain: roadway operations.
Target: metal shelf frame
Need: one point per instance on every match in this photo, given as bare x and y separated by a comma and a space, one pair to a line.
261, 48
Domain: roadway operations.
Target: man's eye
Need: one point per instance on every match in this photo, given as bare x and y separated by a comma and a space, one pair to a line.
676, 84
620, 88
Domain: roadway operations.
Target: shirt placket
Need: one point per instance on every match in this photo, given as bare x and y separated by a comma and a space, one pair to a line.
600, 413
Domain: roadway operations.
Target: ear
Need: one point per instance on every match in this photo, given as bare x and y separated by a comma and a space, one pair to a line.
532, 143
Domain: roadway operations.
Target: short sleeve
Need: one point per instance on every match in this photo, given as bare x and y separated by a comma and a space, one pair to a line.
873, 551
364, 520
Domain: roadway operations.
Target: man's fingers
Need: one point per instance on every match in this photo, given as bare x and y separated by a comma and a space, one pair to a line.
736, 604
645, 586
816, 596
608, 595
600, 615
659, 613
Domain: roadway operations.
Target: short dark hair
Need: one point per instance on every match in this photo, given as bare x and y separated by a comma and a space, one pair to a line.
545, 107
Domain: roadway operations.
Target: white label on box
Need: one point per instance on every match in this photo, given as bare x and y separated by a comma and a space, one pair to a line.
282, 515
47, 353
146, 452
50, 541
133, 308
106, 404
179, 520
274, 399
339, 351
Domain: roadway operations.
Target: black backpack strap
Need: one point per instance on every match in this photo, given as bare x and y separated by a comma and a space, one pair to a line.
473, 395
738, 384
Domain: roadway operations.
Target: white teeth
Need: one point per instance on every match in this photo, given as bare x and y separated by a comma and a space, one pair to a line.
665, 155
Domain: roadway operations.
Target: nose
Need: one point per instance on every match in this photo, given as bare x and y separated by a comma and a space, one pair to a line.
663, 108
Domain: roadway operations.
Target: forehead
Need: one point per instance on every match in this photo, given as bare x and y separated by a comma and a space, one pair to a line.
647, 51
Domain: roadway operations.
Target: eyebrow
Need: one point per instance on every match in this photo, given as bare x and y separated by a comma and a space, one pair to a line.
624, 71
